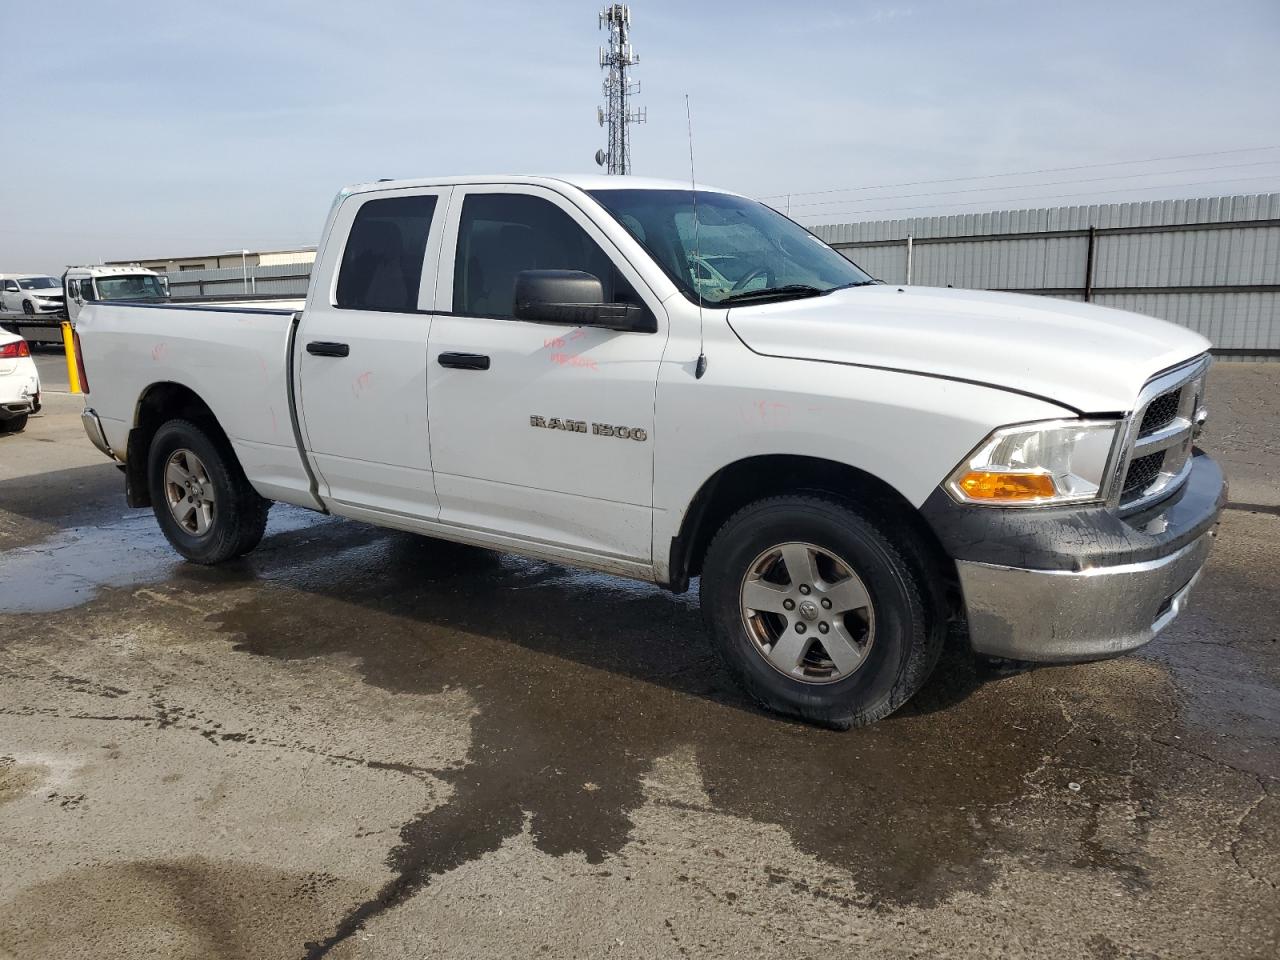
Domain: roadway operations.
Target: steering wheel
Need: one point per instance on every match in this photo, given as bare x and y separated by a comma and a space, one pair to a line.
749, 276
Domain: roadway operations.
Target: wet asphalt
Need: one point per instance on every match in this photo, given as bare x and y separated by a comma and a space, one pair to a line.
358, 743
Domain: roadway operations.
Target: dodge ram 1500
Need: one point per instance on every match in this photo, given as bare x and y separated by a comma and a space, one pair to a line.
668, 383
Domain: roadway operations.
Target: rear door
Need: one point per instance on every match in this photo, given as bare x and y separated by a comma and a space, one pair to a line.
540, 432
361, 353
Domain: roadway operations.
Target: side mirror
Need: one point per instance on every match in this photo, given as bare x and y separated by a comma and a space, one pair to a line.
574, 298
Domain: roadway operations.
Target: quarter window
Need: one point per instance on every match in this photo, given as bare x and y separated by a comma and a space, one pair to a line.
382, 264
501, 234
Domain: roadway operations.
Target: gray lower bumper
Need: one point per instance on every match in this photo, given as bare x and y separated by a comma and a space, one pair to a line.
1063, 615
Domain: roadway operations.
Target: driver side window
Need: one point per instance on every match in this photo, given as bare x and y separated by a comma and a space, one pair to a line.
501, 234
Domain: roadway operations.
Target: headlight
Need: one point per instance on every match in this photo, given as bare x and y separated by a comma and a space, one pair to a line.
1056, 461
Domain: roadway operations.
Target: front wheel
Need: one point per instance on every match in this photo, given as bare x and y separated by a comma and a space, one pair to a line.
202, 500
14, 424
28, 309
816, 611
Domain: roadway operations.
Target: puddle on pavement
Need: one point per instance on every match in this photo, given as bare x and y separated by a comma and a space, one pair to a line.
73, 565
582, 682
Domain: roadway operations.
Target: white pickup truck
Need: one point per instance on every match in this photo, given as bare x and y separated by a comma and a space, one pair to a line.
544, 366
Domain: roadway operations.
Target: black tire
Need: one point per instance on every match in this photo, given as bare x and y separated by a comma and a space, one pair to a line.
908, 627
28, 309
14, 424
239, 514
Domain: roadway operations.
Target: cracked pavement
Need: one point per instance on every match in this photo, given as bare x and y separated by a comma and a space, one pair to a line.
356, 743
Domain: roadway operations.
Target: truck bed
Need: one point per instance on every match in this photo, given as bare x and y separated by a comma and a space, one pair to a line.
236, 358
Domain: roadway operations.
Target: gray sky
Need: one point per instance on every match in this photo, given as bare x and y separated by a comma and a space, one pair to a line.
139, 130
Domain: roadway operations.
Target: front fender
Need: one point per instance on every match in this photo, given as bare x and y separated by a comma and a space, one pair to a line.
908, 430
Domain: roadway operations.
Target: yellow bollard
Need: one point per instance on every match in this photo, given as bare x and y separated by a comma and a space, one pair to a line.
68, 344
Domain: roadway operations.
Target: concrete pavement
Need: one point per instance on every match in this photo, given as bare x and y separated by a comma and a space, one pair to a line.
356, 743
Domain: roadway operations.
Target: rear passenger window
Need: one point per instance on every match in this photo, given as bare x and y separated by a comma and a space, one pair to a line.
382, 264
501, 234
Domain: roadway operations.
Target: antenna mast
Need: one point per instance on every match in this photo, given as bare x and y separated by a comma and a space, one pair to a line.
616, 59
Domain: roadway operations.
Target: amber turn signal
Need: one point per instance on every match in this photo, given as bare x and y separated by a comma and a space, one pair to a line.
991, 486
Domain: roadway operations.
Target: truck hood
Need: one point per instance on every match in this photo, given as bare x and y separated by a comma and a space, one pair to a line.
1092, 359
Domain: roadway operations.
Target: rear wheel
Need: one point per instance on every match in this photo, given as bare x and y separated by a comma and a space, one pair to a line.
14, 424
816, 611
202, 500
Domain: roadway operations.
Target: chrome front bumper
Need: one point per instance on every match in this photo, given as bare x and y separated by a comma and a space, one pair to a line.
1064, 615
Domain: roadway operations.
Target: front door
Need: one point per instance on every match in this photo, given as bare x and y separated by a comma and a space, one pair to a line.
540, 432
361, 354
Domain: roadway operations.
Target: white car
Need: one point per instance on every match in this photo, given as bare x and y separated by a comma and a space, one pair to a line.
530, 364
32, 295
19, 383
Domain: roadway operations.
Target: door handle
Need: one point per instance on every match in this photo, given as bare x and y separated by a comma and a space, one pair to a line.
327, 348
464, 361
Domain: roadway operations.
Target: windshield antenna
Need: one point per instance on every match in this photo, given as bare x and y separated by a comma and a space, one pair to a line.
701, 367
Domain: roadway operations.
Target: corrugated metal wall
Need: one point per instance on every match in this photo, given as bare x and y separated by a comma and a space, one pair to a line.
1211, 264
284, 278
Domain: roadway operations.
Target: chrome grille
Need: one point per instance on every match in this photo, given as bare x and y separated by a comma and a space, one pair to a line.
1157, 448
1142, 471
1160, 412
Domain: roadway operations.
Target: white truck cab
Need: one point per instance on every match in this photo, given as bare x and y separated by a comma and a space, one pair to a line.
620, 374
83, 285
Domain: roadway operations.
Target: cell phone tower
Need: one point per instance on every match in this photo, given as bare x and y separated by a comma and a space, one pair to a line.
616, 59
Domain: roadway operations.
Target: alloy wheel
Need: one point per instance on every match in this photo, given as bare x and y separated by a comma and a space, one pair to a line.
189, 492
807, 613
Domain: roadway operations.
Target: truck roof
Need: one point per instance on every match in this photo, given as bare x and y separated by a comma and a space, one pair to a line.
583, 181
98, 270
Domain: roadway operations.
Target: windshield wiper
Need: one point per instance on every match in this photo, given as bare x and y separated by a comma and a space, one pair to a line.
789, 291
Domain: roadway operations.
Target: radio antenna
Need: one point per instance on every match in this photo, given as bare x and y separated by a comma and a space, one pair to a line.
701, 367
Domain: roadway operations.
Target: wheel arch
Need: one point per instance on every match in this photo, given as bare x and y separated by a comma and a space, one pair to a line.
160, 402
754, 478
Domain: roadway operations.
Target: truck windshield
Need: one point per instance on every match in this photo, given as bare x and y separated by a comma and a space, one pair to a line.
38, 283
743, 251
142, 287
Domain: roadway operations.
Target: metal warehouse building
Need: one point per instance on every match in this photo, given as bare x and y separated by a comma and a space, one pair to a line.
1211, 264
